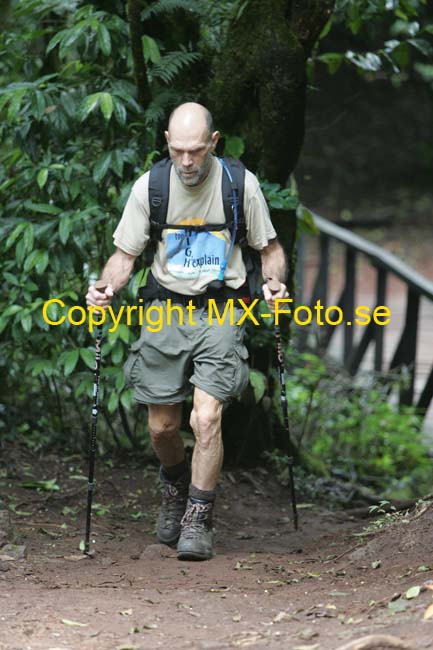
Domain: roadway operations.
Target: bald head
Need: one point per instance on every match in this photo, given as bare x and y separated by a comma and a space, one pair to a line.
191, 140
191, 117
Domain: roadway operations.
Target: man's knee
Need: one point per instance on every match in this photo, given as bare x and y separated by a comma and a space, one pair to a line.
162, 424
206, 424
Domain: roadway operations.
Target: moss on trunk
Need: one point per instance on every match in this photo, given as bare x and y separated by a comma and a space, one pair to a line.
260, 80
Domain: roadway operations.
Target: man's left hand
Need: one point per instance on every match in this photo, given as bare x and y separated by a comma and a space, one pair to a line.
271, 296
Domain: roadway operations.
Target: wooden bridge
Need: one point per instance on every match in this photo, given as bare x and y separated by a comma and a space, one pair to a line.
343, 269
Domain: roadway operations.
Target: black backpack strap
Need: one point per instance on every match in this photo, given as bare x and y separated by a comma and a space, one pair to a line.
237, 171
159, 190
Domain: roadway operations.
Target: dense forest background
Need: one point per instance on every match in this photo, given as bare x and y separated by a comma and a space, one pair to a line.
330, 103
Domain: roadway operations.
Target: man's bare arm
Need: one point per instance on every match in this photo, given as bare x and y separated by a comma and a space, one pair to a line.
274, 266
116, 274
274, 261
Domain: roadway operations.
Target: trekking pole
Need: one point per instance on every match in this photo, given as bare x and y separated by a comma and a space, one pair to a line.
92, 446
274, 286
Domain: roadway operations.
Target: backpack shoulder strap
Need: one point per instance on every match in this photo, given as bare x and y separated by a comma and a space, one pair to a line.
237, 171
159, 190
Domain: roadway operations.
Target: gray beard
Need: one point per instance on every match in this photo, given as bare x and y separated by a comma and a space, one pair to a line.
196, 178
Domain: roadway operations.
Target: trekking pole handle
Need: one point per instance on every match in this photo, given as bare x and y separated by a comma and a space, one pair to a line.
273, 285
100, 285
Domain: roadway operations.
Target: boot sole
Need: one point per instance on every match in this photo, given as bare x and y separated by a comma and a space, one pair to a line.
190, 555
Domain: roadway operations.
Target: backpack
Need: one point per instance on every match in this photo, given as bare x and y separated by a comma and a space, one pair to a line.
232, 190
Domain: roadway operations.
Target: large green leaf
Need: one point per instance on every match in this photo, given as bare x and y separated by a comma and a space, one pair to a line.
43, 208
104, 39
106, 105
258, 382
65, 227
150, 49
101, 167
42, 177
70, 361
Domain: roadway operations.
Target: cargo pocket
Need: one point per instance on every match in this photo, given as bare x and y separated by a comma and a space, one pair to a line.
131, 365
242, 374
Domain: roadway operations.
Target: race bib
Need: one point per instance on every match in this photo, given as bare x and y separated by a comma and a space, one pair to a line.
192, 254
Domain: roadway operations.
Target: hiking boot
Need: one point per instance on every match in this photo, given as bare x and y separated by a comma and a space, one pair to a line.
174, 499
195, 541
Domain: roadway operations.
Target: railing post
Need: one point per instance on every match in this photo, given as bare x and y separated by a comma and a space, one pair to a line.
322, 285
408, 344
349, 302
378, 329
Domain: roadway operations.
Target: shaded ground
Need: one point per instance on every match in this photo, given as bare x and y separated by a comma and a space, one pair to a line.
267, 586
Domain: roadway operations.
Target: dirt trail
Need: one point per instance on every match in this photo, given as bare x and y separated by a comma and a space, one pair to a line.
267, 587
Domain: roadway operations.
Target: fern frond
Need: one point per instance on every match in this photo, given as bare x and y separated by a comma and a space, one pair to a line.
172, 63
165, 98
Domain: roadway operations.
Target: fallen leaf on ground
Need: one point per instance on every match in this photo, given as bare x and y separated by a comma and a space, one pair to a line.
307, 634
49, 533
242, 567
376, 564
396, 606
282, 616
428, 612
67, 621
413, 592
306, 647
338, 593
236, 618
246, 641
75, 558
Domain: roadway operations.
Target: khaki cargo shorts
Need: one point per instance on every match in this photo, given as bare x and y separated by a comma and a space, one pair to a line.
163, 364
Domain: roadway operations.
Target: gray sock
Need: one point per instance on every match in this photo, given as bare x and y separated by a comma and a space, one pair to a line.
204, 496
174, 472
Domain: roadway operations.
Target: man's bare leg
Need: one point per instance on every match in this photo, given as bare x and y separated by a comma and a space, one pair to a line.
196, 537
208, 451
164, 424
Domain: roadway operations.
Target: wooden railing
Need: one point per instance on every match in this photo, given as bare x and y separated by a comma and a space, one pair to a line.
385, 264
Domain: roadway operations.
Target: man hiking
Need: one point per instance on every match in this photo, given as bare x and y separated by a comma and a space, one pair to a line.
189, 262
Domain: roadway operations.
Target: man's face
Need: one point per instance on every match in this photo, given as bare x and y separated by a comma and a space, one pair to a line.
191, 155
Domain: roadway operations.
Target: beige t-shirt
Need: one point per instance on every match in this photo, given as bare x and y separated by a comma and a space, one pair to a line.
186, 261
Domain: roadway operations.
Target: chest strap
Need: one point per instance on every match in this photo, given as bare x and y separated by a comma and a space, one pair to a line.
155, 291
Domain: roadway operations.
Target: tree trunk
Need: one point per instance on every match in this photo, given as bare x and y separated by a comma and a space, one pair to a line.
264, 98
136, 32
259, 93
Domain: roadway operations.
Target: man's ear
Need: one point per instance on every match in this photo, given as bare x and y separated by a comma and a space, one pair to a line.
166, 136
215, 137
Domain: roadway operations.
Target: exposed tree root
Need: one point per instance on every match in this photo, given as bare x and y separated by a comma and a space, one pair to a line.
377, 642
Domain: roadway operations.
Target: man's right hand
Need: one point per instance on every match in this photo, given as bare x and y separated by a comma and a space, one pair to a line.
98, 298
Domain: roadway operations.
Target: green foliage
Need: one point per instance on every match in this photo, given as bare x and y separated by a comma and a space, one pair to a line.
73, 140
390, 36
350, 425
